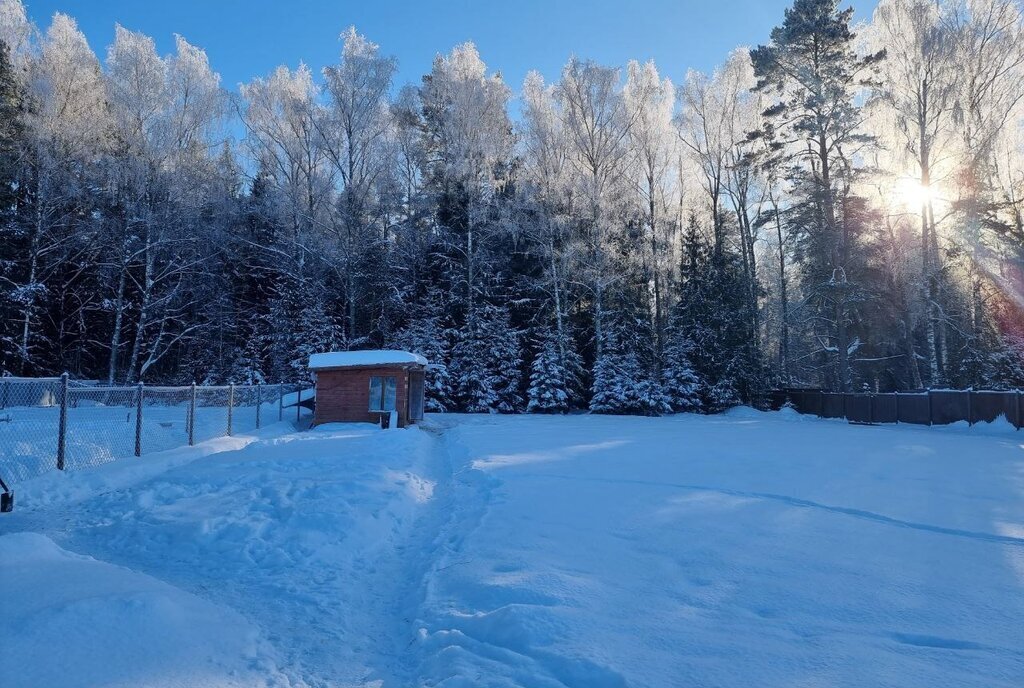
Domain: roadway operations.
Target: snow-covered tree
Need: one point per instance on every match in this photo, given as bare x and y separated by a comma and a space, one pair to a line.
485, 364
554, 375
622, 383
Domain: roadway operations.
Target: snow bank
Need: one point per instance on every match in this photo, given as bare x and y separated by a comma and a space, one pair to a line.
64, 488
340, 359
70, 620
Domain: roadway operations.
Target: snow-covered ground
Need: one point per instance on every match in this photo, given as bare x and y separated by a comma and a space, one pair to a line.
745, 549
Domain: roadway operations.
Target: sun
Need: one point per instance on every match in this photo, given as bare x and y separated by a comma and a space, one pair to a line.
912, 194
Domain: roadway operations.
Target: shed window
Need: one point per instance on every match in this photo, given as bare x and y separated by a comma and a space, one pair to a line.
383, 391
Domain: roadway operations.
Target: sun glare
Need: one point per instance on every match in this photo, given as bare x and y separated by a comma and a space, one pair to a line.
912, 194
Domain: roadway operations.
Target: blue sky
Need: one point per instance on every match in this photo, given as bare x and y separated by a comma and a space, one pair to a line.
247, 38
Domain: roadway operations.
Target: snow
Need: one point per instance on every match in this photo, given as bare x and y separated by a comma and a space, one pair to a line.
734, 550
293, 398
66, 617
344, 359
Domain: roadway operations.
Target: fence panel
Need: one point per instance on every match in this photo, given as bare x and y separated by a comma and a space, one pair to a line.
884, 408
858, 408
938, 407
805, 402
832, 405
950, 407
211, 419
104, 423
988, 406
29, 419
255, 407
914, 408
100, 425
165, 418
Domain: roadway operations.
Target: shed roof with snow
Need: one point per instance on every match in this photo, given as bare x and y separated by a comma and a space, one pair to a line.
368, 386
352, 359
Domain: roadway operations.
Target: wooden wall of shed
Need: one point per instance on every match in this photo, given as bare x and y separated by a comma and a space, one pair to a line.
343, 396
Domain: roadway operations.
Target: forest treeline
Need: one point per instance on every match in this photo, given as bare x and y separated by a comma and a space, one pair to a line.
840, 207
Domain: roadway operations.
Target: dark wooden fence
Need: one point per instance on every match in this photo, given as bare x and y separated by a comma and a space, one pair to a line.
933, 407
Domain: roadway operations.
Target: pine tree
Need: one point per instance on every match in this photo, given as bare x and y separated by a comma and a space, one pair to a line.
812, 70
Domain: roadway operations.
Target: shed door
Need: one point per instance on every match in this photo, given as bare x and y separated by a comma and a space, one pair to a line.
415, 396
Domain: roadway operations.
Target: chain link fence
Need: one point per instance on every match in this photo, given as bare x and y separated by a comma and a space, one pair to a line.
60, 424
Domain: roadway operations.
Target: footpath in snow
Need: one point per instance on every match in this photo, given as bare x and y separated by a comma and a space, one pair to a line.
745, 549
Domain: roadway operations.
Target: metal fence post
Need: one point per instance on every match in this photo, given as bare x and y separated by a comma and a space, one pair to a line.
192, 417
62, 427
138, 420
231, 403
259, 403
298, 404
280, 402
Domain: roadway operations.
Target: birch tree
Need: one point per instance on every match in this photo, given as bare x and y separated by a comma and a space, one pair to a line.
652, 143
355, 131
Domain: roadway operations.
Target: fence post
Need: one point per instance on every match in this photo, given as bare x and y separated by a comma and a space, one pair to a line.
192, 417
138, 420
931, 414
62, 427
298, 405
259, 403
280, 402
231, 403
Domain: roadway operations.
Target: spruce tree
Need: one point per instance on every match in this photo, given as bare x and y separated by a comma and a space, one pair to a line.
303, 326
622, 383
679, 380
486, 363
713, 315
427, 335
549, 388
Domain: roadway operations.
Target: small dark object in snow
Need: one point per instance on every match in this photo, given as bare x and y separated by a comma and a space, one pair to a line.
6, 499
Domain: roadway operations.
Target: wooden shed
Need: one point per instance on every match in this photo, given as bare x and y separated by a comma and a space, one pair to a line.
366, 386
